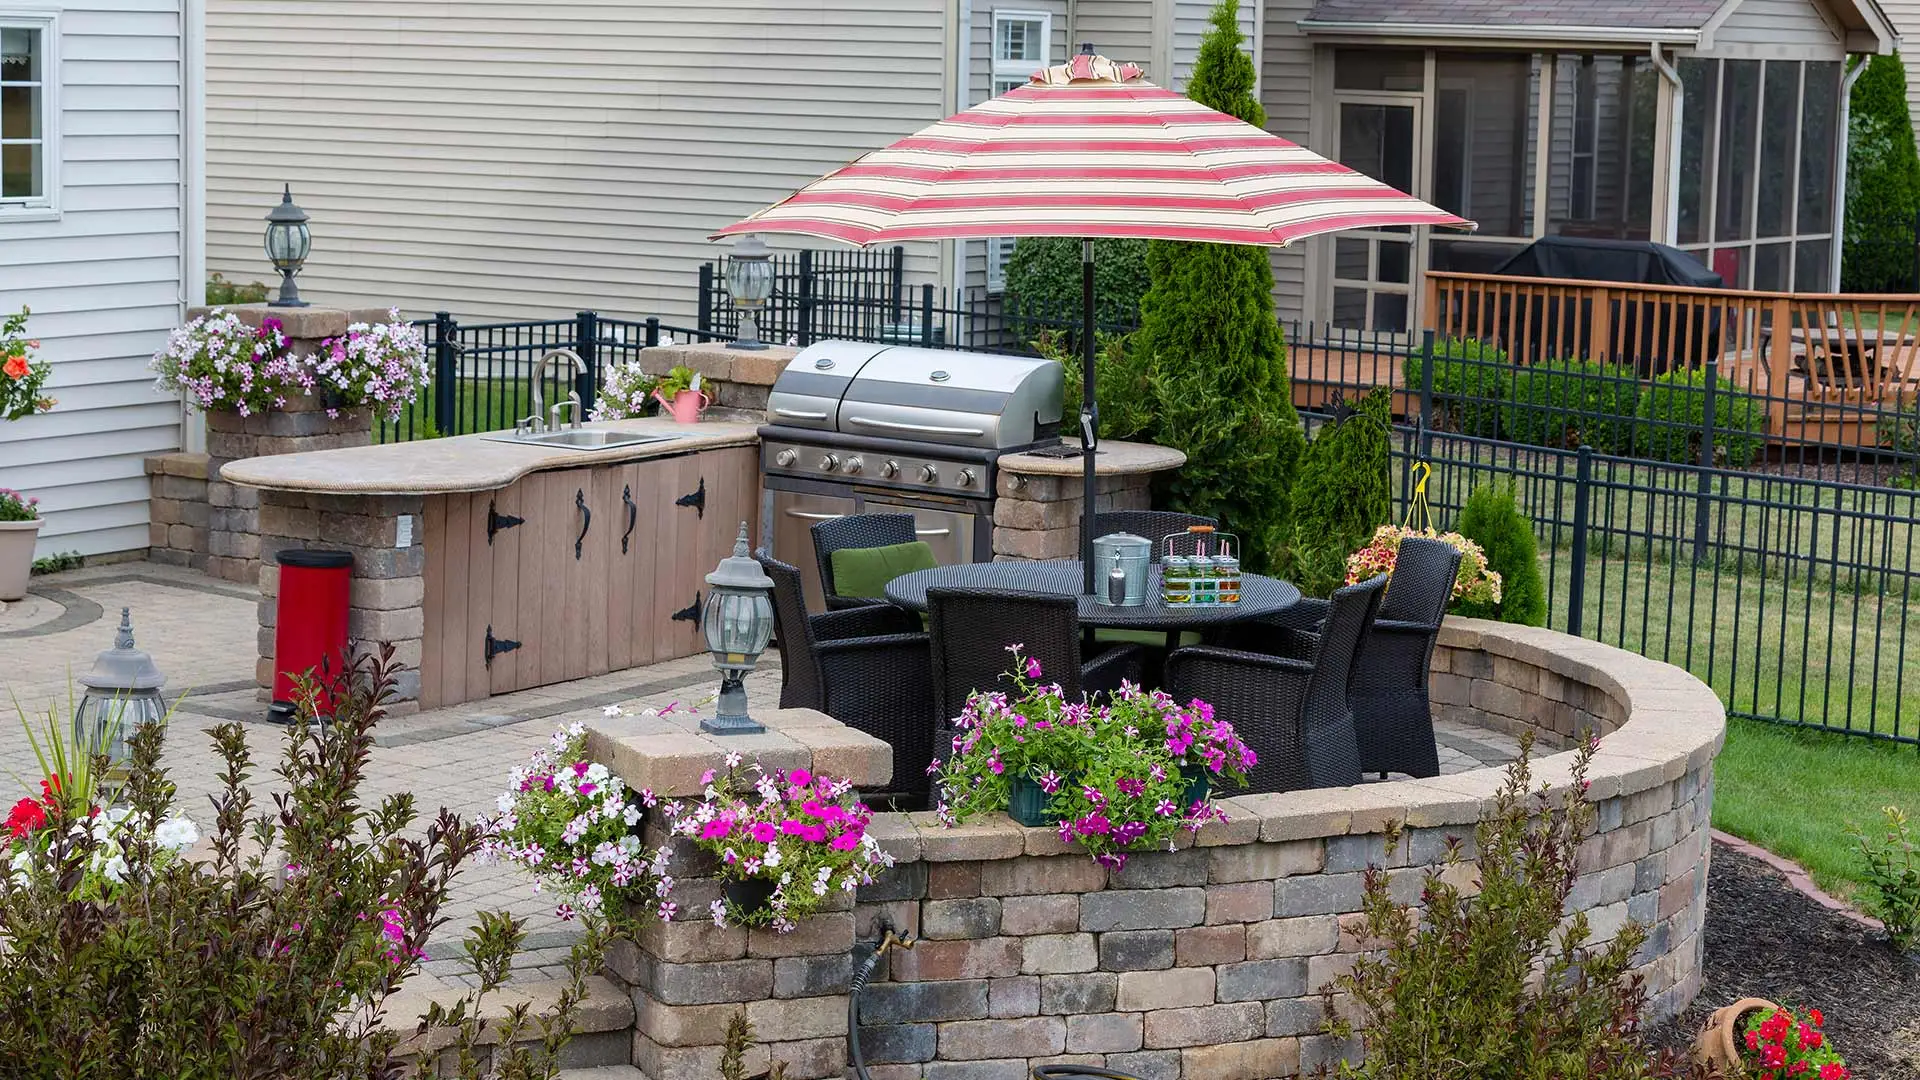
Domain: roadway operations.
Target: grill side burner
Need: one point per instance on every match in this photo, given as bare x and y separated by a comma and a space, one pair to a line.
859, 428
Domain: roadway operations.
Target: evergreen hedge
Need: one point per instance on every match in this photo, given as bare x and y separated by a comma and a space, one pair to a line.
1883, 182
1219, 360
1492, 519
1043, 283
1671, 420
1564, 403
1344, 491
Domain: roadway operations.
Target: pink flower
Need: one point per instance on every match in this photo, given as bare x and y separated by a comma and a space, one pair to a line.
1033, 668
799, 778
764, 832
717, 829
706, 778
846, 842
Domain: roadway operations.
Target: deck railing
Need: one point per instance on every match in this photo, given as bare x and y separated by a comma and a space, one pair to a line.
1822, 360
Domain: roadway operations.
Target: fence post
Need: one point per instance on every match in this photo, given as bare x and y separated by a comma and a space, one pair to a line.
653, 331
705, 318
926, 315
897, 286
1704, 484
587, 344
805, 332
1582, 498
445, 393
1426, 395
1916, 249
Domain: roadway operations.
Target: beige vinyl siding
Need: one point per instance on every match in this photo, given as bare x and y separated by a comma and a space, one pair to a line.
1190, 24
104, 278
1771, 23
504, 160
1286, 92
1121, 29
1905, 17
980, 87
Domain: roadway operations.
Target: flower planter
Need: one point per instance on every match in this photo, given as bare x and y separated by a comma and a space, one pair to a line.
16, 556
1199, 785
1027, 804
1718, 1043
749, 897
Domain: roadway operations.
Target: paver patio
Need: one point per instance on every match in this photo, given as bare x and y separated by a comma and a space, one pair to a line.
201, 632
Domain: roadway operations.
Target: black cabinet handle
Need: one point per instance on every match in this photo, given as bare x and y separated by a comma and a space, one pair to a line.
696, 499
690, 613
633, 516
586, 522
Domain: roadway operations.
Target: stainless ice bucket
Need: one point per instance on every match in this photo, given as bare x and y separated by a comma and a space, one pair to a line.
1120, 569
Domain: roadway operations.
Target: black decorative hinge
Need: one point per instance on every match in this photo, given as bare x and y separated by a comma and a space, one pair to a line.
697, 500
495, 646
690, 613
497, 521
633, 516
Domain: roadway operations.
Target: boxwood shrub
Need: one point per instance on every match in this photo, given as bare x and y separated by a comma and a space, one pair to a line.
1672, 419
1564, 403
1470, 377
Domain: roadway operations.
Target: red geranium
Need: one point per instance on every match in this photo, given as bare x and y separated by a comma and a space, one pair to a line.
27, 816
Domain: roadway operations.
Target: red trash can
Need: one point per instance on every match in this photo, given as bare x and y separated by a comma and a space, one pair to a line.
310, 625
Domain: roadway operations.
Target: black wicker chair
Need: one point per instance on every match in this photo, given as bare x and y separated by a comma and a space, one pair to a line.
869, 668
1155, 525
972, 628
856, 531
1292, 712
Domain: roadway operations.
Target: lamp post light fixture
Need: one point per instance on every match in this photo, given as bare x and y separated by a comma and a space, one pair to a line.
123, 695
738, 622
288, 242
750, 283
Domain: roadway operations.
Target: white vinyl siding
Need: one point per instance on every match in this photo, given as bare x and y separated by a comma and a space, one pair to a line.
1777, 28
503, 159
1905, 17
103, 275
1191, 21
1119, 30
1286, 92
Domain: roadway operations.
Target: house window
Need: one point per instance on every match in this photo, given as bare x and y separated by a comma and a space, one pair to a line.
1022, 45
27, 136
1586, 136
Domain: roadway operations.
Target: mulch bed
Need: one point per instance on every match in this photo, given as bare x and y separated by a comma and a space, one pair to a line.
1766, 939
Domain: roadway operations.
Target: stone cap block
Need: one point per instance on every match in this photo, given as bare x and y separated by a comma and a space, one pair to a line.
668, 754
606, 1008
715, 360
1113, 458
179, 463
306, 322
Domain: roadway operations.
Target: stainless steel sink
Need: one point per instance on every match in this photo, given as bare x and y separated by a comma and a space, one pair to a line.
582, 439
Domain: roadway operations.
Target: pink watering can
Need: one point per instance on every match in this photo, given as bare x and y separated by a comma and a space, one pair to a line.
686, 405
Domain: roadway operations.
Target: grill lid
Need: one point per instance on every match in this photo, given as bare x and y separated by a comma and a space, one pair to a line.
986, 400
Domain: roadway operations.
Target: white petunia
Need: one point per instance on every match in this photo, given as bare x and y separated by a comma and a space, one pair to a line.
612, 710
115, 870
596, 773
176, 833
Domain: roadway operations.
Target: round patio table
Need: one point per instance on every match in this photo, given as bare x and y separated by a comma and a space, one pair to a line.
1259, 595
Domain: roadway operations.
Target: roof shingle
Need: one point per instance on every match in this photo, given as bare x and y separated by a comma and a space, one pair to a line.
1651, 14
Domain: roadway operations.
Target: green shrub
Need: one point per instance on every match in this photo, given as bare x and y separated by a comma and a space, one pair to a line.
1470, 380
1893, 876
1125, 385
1043, 283
1883, 182
1344, 489
1564, 403
1672, 418
1219, 359
1495, 982
1492, 519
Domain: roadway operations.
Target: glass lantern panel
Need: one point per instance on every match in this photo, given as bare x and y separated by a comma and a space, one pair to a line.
288, 245
750, 280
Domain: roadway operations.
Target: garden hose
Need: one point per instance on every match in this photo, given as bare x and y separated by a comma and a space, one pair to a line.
888, 940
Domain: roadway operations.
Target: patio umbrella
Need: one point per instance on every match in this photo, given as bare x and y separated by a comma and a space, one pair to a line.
1090, 149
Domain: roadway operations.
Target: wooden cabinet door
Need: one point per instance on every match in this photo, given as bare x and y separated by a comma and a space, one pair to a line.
508, 613
732, 476
680, 576
632, 547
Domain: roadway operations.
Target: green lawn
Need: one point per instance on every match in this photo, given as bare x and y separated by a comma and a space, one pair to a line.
1793, 791
483, 405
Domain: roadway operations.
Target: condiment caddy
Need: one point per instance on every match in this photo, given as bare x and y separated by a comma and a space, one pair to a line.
1207, 575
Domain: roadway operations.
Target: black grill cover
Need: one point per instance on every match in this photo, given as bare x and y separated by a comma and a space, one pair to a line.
1642, 331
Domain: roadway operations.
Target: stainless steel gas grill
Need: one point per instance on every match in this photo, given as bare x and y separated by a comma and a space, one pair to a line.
858, 428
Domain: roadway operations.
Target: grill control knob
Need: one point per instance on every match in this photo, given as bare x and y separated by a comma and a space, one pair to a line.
829, 462
889, 468
965, 479
929, 473
854, 464
785, 458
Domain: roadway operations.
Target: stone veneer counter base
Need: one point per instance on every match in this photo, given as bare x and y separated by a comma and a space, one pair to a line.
1203, 963
467, 462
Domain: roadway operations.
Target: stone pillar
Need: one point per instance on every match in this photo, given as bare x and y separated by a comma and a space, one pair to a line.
740, 379
233, 546
389, 584
1037, 512
177, 509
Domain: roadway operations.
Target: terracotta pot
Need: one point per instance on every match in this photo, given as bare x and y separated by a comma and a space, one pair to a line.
1719, 1043
16, 556
686, 406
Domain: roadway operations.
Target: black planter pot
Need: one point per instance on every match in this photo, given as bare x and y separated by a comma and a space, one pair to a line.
749, 897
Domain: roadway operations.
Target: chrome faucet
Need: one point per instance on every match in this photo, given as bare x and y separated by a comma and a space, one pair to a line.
544, 419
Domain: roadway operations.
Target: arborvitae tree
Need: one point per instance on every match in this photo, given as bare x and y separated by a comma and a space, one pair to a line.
1218, 356
1883, 182
1492, 519
1344, 490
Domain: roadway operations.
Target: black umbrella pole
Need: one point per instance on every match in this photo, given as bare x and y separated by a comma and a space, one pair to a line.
1089, 414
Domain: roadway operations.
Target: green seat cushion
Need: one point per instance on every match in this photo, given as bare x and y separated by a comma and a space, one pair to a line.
866, 571
1152, 638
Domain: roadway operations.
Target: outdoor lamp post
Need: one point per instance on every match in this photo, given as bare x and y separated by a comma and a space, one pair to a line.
750, 283
738, 621
123, 694
288, 243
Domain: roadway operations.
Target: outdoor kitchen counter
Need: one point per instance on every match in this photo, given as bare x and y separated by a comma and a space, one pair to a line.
1113, 458
465, 463
493, 567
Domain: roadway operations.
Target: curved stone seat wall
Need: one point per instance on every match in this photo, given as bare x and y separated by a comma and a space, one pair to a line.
1203, 963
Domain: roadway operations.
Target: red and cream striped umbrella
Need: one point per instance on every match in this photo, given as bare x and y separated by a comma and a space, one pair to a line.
1089, 149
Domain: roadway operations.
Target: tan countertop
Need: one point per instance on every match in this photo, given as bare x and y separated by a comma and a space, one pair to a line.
1112, 459
465, 462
